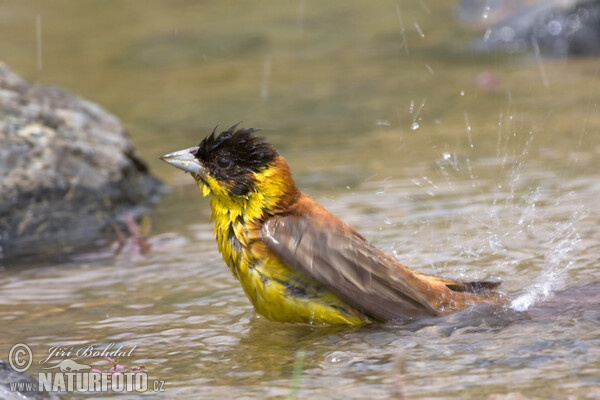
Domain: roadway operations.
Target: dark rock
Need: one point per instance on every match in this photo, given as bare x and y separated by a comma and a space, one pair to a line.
67, 170
20, 386
555, 28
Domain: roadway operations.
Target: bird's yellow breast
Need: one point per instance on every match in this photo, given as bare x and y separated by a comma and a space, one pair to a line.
277, 292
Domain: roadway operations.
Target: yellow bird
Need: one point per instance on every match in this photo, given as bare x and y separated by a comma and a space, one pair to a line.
295, 260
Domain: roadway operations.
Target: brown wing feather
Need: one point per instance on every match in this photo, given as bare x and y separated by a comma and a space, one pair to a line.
312, 240
347, 264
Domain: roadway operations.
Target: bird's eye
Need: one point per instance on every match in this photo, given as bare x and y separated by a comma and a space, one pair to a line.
223, 162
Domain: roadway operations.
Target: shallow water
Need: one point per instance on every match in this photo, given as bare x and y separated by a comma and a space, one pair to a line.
460, 164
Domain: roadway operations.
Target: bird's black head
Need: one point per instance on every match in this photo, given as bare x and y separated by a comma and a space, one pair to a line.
233, 156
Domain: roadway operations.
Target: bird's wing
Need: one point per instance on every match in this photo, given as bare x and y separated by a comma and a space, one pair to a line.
330, 252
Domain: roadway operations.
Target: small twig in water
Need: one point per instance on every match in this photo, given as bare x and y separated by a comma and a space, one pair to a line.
298, 366
397, 369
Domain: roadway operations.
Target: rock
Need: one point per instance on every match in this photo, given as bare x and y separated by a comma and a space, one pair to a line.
67, 170
20, 386
554, 28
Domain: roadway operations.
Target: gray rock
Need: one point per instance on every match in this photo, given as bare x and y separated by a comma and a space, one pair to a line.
67, 170
20, 386
554, 28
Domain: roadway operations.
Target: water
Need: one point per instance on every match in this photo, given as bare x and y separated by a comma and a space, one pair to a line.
459, 164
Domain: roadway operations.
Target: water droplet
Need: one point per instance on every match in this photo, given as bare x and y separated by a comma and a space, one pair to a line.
554, 28
419, 30
486, 12
487, 35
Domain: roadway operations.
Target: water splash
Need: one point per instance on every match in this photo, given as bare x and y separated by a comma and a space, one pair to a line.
468, 126
416, 114
264, 87
511, 211
38, 37
404, 43
419, 30
558, 260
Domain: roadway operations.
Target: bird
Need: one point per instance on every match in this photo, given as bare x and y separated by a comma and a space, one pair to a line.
295, 260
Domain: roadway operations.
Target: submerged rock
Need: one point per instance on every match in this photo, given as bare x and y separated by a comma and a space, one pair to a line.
67, 170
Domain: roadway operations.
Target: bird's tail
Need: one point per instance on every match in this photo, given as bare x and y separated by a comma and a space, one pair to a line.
457, 295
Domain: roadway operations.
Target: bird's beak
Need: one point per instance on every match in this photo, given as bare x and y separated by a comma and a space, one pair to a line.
187, 161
